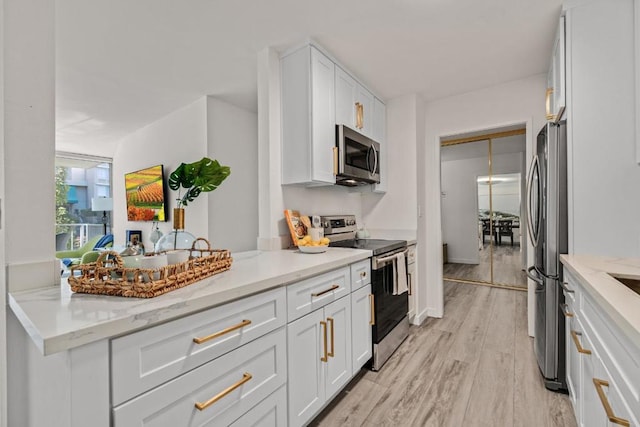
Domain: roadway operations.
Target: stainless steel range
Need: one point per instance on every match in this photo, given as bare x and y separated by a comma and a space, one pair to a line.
391, 299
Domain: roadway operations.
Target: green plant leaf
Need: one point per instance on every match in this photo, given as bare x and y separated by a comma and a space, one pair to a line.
202, 176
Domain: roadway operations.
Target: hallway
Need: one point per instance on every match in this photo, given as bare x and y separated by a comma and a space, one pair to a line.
474, 367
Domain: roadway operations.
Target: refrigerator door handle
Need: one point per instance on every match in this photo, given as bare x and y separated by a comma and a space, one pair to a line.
539, 282
534, 166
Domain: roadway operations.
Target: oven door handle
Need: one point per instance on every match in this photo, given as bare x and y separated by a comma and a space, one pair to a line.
382, 261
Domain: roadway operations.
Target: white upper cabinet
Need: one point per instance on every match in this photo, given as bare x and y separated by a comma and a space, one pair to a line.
308, 117
354, 104
555, 101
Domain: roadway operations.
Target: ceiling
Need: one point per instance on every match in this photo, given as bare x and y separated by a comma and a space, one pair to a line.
122, 64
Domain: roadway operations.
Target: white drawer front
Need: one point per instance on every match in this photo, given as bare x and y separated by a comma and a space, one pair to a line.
173, 404
621, 357
360, 274
311, 294
145, 359
271, 412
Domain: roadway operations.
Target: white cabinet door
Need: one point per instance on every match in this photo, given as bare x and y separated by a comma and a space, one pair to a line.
271, 412
362, 347
556, 76
306, 387
338, 367
573, 366
346, 89
323, 136
308, 117
354, 104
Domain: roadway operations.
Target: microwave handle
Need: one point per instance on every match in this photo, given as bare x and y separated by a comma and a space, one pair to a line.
375, 160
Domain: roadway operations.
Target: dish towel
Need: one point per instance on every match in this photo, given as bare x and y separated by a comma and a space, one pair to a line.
401, 275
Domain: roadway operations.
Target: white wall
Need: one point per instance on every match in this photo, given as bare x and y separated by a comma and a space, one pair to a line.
3, 285
397, 209
232, 135
460, 201
28, 204
180, 137
510, 103
604, 198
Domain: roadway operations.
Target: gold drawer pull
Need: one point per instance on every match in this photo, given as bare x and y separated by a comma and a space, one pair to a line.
335, 160
576, 341
372, 299
359, 115
363, 274
566, 288
330, 322
605, 402
324, 340
317, 294
222, 332
202, 406
565, 311
547, 101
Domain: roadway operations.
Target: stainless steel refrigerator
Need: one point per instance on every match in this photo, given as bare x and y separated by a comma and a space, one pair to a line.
547, 224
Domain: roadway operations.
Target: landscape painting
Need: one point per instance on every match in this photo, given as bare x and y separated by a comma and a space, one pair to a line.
145, 194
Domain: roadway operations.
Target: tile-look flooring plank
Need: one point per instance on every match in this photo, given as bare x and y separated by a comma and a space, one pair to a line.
476, 369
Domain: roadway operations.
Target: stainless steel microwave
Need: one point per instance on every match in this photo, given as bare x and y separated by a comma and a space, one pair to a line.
358, 158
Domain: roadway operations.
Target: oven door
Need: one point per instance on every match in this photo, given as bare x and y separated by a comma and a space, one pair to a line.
358, 157
389, 309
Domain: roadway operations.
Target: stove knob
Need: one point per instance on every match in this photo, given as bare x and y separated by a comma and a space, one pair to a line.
326, 224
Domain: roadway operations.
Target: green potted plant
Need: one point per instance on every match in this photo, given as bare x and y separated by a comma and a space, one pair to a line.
193, 178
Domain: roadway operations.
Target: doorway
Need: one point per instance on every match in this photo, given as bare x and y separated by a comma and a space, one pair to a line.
482, 188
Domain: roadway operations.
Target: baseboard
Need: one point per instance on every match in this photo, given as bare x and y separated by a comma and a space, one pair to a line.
418, 319
33, 275
433, 312
462, 261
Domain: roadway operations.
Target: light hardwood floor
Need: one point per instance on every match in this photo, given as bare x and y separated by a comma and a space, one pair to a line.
473, 367
507, 267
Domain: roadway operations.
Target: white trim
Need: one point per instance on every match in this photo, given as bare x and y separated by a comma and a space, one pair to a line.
3, 284
431, 312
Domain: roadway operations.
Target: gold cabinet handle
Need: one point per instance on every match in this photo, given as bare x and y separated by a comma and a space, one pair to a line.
547, 102
330, 322
565, 311
335, 160
317, 294
576, 341
372, 299
324, 340
363, 274
222, 332
202, 406
359, 115
565, 286
598, 383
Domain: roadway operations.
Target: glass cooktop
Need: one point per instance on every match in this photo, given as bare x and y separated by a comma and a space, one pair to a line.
378, 246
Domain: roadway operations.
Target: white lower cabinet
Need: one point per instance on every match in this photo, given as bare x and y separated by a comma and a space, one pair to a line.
271, 412
318, 358
215, 394
603, 369
361, 320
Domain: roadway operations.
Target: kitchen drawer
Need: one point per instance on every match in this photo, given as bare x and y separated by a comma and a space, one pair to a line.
621, 358
308, 295
613, 397
571, 290
271, 412
240, 379
360, 274
411, 254
145, 359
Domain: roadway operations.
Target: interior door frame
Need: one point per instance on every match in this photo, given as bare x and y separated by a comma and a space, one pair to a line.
529, 135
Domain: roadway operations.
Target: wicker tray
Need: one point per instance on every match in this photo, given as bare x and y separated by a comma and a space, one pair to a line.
108, 276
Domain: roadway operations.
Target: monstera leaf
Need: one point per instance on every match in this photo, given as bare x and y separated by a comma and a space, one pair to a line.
198, 177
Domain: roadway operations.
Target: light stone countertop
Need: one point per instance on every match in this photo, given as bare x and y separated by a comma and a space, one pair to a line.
619, 302
58, 319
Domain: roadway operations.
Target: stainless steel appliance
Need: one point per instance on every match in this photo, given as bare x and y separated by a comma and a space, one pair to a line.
391, 325
547, 223
358, 158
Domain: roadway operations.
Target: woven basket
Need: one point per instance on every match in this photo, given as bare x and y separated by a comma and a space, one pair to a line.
108, 276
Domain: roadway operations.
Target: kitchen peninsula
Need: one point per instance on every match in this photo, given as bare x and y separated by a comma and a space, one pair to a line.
88, 348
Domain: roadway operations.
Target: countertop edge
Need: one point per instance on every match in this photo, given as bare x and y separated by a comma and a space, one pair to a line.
144, 318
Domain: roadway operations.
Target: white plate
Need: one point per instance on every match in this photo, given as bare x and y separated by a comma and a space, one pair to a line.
313, 249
